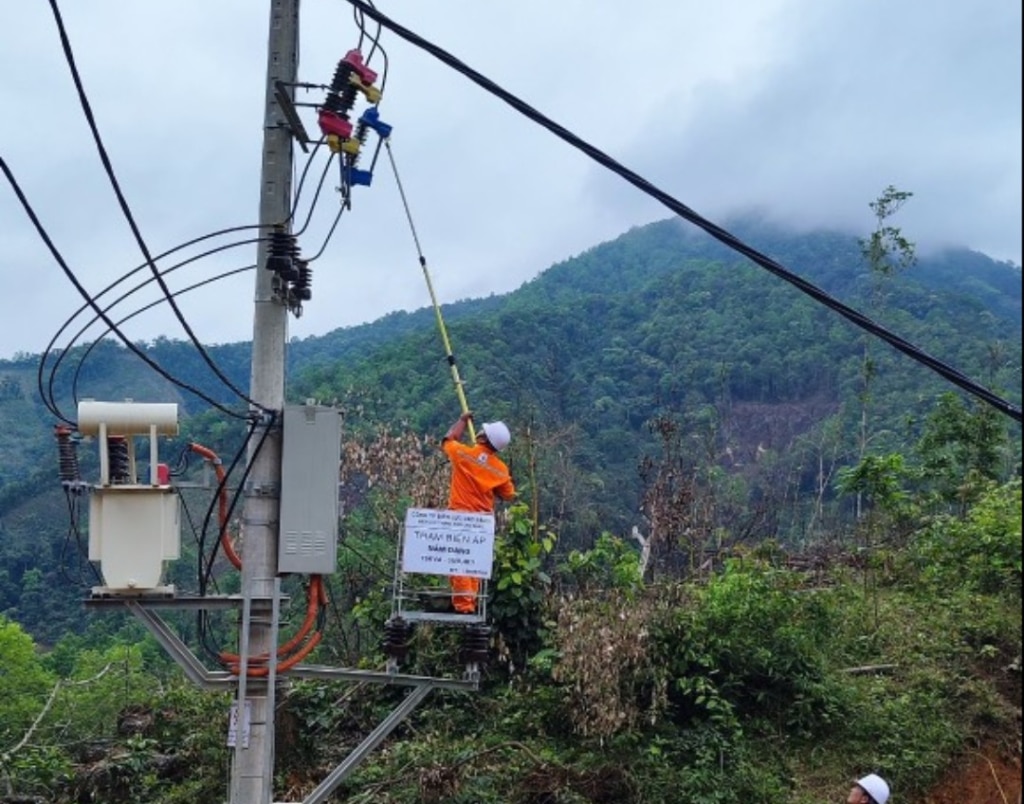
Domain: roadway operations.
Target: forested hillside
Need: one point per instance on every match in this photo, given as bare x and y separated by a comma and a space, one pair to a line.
660, 324
587, 362
755, 552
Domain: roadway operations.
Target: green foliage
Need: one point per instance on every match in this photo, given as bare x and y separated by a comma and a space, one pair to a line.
37, 770
711, 769
731, 688
887, 251
610, 564
520, 585
362, 588
879, 478
751, 646
961, 449
982, 551
104, 684
24, 683
688, 326
908, 733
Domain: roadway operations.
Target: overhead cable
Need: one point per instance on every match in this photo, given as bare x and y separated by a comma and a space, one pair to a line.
859, 319
49, 392
126, 210
194, 286
44, 235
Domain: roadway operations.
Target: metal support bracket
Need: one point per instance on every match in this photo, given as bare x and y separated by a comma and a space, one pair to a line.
372, 740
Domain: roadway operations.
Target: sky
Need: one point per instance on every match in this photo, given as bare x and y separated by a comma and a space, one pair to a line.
801, 110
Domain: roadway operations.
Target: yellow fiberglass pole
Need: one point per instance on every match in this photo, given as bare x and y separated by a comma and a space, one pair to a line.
460, 392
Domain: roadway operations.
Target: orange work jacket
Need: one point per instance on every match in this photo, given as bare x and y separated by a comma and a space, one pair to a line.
478, 474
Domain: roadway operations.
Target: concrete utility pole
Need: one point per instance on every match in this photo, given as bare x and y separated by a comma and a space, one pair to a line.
252, 771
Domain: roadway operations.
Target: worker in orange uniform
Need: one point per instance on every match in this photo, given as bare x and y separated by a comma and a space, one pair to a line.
478, 475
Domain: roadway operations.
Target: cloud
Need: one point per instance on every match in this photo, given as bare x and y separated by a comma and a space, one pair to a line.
804, 109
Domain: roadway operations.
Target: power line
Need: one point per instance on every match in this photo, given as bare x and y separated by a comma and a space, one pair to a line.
859, 319
195, 286
74, 339
47, 394
44, 235
123, 203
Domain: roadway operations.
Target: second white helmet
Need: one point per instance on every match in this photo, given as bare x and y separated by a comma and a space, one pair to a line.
876, 787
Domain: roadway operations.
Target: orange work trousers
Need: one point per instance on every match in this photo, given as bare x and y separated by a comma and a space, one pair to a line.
465, 594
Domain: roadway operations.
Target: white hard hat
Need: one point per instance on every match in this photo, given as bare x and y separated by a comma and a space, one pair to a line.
497, 433
876, 787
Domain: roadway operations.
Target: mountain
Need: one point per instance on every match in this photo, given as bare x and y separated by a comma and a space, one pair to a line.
661, 324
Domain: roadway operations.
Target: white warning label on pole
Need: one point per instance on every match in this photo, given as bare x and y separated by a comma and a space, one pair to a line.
233, 724
448, 543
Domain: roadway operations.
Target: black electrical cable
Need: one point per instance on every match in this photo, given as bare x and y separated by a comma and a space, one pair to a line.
360, 21
181, 465
123, 203
88, 350
302, 181
48, 395
205, 577
944, 370
205, 567
330, 234
347, 544
316, 196
46, 392
197, 240
74, 339
186, 508
44, 235
75, 533
269, 421
90, 347
333, 605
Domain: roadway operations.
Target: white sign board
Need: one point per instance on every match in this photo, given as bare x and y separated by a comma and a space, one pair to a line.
233, 724
448, 543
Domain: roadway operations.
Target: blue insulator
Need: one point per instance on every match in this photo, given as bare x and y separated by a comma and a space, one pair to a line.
371, 118
360, 177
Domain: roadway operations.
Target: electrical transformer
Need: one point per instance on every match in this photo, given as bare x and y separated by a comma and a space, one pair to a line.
134, 523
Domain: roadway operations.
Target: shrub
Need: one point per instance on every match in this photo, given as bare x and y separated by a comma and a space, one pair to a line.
981, 551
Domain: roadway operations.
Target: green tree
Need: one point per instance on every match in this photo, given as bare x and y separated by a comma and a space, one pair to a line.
961, 450
877, 481
980, 551
24, 683
885, 252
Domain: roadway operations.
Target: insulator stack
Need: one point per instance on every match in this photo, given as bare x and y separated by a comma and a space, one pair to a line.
351, 77
283, 252
397, 636
304, 281
476, 643
362, 130
342, 96
67, 456
117, 454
